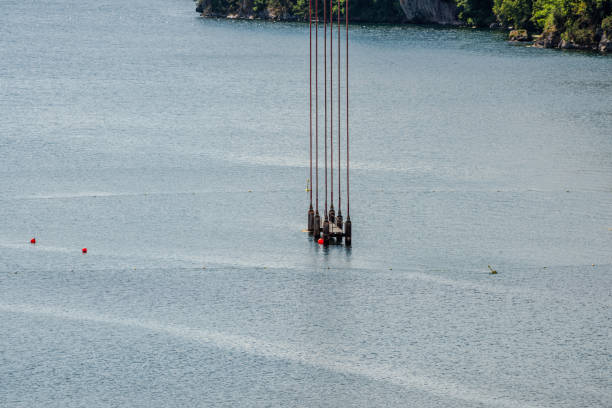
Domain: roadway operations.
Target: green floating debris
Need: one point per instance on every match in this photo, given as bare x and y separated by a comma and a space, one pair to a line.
493, 271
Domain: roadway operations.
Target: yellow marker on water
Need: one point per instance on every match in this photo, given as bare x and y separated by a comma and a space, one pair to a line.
493, 271
308, 185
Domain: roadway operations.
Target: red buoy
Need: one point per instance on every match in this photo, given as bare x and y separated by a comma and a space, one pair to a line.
320, 241
84, 250
33, 241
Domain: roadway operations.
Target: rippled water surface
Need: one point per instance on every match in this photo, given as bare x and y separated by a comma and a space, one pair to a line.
175, 149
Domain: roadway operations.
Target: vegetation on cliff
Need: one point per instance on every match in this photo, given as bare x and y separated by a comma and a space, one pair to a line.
361, 10
563, 23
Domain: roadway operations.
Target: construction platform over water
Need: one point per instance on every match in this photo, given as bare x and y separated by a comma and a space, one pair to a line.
329, 232
326, 226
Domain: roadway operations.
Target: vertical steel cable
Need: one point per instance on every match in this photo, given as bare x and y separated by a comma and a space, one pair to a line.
317, 100
348, 197
310, 89
339, 114
331, 99
325, 92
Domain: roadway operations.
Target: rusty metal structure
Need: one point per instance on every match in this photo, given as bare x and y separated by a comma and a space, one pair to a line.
328, 227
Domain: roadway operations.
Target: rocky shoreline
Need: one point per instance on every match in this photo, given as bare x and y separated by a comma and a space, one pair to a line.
266, 14
443, 12
554, 39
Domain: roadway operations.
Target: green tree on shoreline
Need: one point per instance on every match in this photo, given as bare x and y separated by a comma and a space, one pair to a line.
576, 21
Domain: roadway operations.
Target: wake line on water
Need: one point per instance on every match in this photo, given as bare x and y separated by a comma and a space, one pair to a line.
214, 262
300, 162
283, 351
87, 194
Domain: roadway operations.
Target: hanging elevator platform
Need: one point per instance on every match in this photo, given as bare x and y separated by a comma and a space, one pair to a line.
332, 233
325, 226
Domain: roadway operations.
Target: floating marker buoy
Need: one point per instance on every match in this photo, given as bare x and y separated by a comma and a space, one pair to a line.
320, 241
33, 241
84, 250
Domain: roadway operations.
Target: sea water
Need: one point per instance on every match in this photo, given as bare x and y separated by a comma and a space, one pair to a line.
175, 149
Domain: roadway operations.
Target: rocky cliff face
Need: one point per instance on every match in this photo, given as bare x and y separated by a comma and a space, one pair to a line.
415, 11
245, 10
552, 38
430, 11
605, 44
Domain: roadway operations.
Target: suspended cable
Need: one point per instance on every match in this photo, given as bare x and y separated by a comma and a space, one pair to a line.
331, 106
339, 122
310, 210
310, 90
325, 93
339, 228
317, 102
348, 197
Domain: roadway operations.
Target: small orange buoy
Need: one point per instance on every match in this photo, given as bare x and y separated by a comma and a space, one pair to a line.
33, 241
84, 250
320, 241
